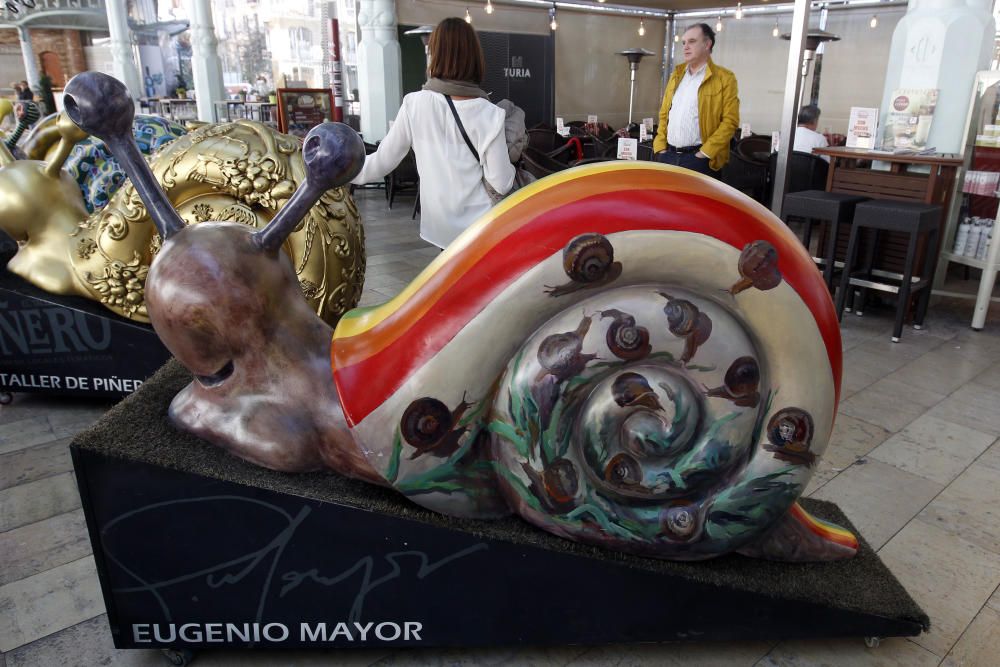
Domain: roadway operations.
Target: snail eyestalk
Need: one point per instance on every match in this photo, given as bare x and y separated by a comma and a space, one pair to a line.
100, 105
70, 134
334, 154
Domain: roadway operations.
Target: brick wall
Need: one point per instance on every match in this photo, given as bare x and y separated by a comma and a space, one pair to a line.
65, 45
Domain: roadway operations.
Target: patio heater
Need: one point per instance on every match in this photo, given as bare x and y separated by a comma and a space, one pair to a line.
424, 33
814, 38
634, 56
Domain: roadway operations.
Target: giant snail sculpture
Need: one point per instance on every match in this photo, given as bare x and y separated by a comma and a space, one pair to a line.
628, 355
241, 171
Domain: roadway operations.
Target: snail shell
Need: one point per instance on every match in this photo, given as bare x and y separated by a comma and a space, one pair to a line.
758, 267
625, 339
425, 422
589, 261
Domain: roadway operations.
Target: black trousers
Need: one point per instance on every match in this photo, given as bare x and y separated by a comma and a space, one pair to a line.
687, 161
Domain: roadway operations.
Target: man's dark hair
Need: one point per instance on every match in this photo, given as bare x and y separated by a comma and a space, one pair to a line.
706, 30
809, 114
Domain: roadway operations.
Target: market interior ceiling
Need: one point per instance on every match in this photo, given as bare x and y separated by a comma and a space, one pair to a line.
665, 7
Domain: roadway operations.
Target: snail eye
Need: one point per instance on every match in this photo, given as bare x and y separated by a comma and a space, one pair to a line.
216, 378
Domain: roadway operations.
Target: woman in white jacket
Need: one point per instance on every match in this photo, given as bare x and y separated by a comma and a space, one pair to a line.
452, 193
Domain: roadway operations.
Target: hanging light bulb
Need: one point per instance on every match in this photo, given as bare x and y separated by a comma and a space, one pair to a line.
642, 28
775, 31
553, 24
874, 21
739, 11
489, 6
677, 38
718, 24
468, 16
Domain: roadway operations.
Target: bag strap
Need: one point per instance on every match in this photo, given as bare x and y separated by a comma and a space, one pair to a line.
461, 128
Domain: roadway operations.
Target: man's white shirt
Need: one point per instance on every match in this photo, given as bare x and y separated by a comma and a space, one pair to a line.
806, 140
683, 128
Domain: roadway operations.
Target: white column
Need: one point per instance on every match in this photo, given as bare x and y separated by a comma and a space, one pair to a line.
206, 66
30, 61
789, 109
380, 69
122, 56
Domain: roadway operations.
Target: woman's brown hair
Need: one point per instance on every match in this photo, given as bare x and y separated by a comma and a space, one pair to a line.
455, 52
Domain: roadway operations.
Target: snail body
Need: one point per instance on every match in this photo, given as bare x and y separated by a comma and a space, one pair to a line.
496, 382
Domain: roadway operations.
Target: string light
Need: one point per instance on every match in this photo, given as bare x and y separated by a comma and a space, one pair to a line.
677, 38
775, 31
553, 24
642, 28
874, 21
739, 11
468, 16
489, 6
718, 24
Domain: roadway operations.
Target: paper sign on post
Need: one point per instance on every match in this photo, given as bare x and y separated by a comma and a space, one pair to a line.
745, 130
775, 141
592, 119
643, 135
561, 127
628, 149
648, 124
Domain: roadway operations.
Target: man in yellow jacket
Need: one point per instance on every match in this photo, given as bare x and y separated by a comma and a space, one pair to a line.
700, 110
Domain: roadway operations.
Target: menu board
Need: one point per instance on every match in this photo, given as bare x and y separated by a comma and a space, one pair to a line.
909, 121
862, 127
301, 109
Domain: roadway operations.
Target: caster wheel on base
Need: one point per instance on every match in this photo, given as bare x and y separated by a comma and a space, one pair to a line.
6, 398
873, 642
178, 656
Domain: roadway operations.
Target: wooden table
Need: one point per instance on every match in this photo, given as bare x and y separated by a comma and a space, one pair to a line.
925, 178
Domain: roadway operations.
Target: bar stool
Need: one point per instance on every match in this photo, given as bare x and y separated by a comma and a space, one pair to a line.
816, 206
918, 221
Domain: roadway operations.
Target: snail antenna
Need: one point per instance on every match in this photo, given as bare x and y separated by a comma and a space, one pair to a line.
333, 154
69, 136
101, 105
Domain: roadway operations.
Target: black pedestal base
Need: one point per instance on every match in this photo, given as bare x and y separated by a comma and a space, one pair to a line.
196, 549
70, 345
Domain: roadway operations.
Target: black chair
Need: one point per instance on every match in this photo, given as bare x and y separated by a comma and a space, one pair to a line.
545, 140
821, 207
920, 222
806, 172
404, 177
539, 164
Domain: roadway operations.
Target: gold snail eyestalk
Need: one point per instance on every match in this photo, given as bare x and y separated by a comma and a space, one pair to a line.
101, 105
227, 305
69, 134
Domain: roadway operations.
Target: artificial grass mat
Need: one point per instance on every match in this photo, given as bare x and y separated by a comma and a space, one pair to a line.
137, 429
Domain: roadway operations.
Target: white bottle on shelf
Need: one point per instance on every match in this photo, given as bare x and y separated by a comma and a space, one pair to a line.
972, 245
962, 237
984, 240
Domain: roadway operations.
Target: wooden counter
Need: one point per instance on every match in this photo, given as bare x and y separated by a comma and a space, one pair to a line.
925, 178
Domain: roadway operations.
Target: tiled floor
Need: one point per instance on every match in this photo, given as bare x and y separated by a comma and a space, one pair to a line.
914, 462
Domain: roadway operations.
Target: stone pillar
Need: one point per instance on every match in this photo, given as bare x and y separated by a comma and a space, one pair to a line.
206, 66
122, 57
30, 59
380, 69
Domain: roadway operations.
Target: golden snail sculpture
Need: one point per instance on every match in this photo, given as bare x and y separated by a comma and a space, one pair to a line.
241, 171
629, 355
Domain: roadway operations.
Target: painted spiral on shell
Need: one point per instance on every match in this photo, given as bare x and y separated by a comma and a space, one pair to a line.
659, 453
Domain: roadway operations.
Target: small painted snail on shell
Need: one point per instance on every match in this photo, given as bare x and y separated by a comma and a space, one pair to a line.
552, 421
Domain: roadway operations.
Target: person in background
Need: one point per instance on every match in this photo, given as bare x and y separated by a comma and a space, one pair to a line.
459, 148
25, 93
806, 136
16, 87
700, 110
